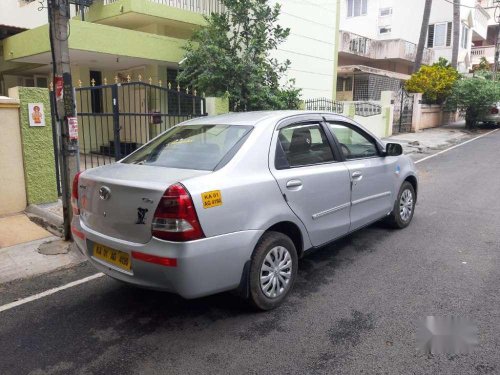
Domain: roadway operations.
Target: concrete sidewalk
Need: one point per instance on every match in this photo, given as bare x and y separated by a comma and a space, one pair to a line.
430, 141
28, 250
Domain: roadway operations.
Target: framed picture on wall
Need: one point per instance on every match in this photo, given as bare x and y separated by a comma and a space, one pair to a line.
36, 114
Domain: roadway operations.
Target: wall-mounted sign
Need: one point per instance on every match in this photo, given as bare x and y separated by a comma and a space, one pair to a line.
73, 128
58, 84
36, 114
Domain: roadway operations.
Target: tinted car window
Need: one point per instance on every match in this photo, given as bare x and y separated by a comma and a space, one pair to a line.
303, 144
353, 144
199, 147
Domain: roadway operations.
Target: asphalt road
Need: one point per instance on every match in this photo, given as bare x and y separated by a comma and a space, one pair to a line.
354, 308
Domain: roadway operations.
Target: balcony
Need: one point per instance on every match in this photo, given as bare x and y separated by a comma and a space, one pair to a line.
489, 7
393, 49
484, 51
205, 7
174, 18
481, 20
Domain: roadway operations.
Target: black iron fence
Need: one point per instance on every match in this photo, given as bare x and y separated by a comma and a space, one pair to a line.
114, 120
324, 104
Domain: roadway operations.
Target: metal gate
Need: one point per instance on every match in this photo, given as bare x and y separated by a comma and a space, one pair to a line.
114, 120
403, 112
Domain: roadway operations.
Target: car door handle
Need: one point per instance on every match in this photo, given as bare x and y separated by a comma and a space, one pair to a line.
356, 175
293, 184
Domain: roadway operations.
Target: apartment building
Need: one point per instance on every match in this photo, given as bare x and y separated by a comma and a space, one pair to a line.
486, 47
378, 41
144, 38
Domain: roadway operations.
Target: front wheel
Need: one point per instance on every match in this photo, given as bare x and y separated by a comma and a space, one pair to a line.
404, 207
273, 270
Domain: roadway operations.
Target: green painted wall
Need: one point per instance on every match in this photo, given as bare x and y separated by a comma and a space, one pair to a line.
86, 36
38, 149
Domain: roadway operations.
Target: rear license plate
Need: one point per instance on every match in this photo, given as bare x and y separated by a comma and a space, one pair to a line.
116, 257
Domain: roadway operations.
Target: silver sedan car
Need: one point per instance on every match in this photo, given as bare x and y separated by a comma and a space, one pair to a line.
232, 202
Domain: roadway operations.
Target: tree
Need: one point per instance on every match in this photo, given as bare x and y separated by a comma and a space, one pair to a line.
435, 82
232, 55
423, 35
474, 96
456, 33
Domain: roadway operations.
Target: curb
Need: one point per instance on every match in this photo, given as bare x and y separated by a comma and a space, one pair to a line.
46, 219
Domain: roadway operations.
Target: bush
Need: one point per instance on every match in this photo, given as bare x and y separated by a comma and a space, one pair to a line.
475, 96
434, 82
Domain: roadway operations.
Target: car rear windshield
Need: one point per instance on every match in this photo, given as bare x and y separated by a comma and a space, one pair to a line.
201, 147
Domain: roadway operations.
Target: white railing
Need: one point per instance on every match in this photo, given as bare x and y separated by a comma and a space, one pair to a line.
382, 49
483, 51
206, 7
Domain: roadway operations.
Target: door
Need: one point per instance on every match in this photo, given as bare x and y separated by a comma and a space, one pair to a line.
314, 184
372, 175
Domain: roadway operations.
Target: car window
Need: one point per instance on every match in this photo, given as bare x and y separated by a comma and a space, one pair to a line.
353, 144
302, 144
199, 147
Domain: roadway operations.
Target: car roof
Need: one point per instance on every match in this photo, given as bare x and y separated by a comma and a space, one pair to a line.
250, 118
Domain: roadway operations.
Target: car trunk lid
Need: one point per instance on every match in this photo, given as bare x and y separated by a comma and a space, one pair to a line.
120, 200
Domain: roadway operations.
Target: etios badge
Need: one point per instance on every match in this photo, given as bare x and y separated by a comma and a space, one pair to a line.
104, 193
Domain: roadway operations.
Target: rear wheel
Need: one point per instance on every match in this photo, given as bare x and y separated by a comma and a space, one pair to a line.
273, 270
404, 207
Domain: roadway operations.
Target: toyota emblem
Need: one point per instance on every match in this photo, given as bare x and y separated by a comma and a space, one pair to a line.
104, 193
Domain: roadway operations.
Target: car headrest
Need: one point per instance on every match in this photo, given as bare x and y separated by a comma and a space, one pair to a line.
301, 140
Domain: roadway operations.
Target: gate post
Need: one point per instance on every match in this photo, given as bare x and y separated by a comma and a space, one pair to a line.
116, 121
417, 112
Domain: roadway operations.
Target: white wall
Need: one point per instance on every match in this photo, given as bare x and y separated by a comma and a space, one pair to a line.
310, 46
21, 14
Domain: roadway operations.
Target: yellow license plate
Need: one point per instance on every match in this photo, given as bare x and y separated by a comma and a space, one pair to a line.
116, 257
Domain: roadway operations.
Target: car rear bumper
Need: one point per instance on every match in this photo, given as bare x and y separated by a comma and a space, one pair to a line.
492, 118
204, 267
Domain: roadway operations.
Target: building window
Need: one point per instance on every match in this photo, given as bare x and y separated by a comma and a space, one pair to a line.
465, 37
385, 12
340, 84
384, 30
356, 8
439, 35
348, 84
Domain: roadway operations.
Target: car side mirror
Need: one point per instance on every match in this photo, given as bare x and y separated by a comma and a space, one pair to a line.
393, 149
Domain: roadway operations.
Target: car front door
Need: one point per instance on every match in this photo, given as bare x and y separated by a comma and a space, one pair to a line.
312, 179
372, 174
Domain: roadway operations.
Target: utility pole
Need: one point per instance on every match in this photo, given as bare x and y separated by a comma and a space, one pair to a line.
59, 16
497, 42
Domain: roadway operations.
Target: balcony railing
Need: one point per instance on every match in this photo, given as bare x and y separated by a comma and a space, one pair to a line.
382, 49
484, 51
206, 7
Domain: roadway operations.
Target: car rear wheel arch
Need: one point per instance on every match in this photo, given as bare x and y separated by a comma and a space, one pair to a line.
292, 231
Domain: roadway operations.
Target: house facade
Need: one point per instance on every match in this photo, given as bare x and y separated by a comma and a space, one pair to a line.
128, 39
383, 35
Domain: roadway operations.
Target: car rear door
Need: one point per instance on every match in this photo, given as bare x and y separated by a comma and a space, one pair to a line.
371, 174
314, 183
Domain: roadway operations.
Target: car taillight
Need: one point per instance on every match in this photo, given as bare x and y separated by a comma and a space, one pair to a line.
74, 194
175, 218
494, 110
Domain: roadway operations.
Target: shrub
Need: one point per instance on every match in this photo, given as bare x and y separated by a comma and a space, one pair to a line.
475, 96
435, 82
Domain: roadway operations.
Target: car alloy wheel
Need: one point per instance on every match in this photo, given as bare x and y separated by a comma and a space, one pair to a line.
406, 205
276, 272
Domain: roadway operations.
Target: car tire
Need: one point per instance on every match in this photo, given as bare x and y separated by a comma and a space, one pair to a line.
273, 270
404, 207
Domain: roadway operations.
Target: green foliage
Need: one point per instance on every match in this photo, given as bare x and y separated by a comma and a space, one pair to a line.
232, 54
483, 65
474, 96
435, 82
